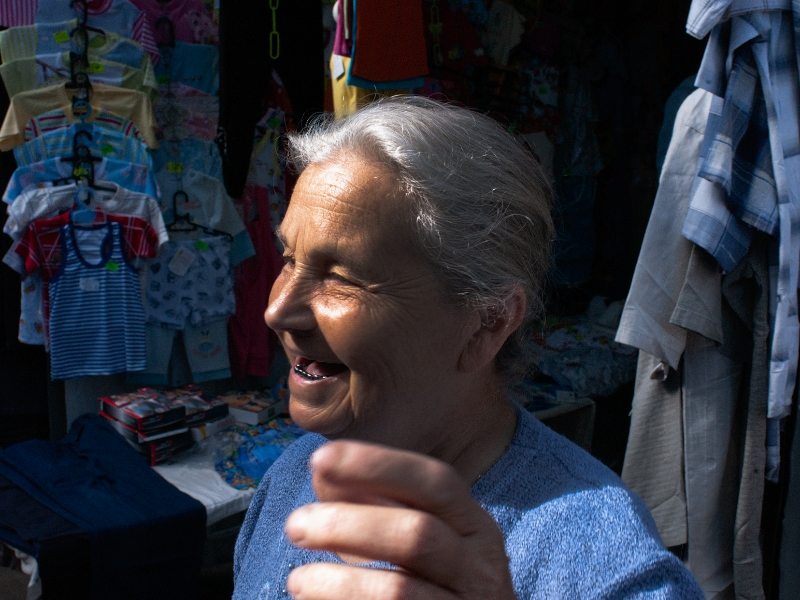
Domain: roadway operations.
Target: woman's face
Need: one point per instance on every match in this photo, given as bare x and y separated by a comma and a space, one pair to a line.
362, 315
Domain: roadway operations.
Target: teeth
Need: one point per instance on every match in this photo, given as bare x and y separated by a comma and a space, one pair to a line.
303, 373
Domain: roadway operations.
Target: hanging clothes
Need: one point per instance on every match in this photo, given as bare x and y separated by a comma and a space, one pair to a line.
193, 21
137, 178
42, 252
244, 82
388, 49
119, 16
657, 285
25, 106
101, 141
750, 178
95, 278
62, 118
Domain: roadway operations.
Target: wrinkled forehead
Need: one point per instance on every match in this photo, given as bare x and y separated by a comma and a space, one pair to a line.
346, 199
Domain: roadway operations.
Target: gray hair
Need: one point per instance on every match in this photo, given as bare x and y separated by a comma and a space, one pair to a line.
481, 203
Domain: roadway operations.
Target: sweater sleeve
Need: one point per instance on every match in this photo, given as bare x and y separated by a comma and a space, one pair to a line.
664, 579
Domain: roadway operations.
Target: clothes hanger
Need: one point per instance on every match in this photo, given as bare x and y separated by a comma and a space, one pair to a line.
78, 81
166, 21
83, 162
82, 109
81, 212
82, 21
184, 222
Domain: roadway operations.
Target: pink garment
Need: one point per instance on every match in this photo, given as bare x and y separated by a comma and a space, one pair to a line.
143, 33
194, 23
343, 45
16, 13
251, 344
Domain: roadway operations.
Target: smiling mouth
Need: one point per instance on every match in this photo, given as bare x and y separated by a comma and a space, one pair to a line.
313, 370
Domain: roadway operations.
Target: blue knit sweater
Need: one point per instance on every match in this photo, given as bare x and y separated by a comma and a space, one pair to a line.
572, 530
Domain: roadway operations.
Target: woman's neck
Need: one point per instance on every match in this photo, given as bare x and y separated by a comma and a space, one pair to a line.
480, 455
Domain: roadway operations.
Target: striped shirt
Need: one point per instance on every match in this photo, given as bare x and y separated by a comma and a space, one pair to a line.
41, 251
15, 13
96, 314
63, 117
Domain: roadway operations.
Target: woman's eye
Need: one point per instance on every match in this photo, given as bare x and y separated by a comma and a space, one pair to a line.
288, 260
341, 278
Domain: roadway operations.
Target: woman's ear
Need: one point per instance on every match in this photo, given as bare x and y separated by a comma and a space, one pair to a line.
487, 339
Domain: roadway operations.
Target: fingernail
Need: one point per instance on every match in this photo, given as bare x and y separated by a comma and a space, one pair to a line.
294, 584
296, 526
318, 457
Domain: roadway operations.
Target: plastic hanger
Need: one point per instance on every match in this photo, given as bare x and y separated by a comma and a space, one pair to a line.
165, 21
81, 211
184, 222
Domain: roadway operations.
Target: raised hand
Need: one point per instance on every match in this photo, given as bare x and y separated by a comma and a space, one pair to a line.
407, 509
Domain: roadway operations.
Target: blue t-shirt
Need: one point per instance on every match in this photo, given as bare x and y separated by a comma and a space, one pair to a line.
571, 528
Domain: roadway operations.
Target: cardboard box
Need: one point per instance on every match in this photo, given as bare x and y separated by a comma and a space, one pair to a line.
156, 447
206, 430
253, 407
144, 410
199, 410
137, 437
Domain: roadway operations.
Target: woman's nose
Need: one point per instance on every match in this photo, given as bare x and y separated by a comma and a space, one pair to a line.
289, 307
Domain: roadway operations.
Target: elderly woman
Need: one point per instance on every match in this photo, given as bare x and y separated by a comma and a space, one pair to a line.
416, 243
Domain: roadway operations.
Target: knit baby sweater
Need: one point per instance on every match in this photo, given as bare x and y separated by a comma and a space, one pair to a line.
571, 528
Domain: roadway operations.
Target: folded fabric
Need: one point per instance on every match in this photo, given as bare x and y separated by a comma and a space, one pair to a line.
146, 537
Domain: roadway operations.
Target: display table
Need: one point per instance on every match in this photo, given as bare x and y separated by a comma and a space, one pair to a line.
204, 484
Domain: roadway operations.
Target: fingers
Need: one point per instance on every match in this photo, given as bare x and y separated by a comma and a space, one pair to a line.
418, 542
358, 472
325, 581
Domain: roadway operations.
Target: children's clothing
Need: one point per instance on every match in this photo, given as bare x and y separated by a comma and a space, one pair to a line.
206, 349
207, 205
196, 154
389, 49
41, 202
96, 316
46, 39
47, 70
100, 141
59, 118
188, 117
17, 13
126, 103
119, 16
41, 250
251, 342
137, 178
191, 19
31, 312
190, 282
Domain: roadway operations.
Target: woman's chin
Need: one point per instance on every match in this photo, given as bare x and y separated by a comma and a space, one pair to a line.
328, 414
